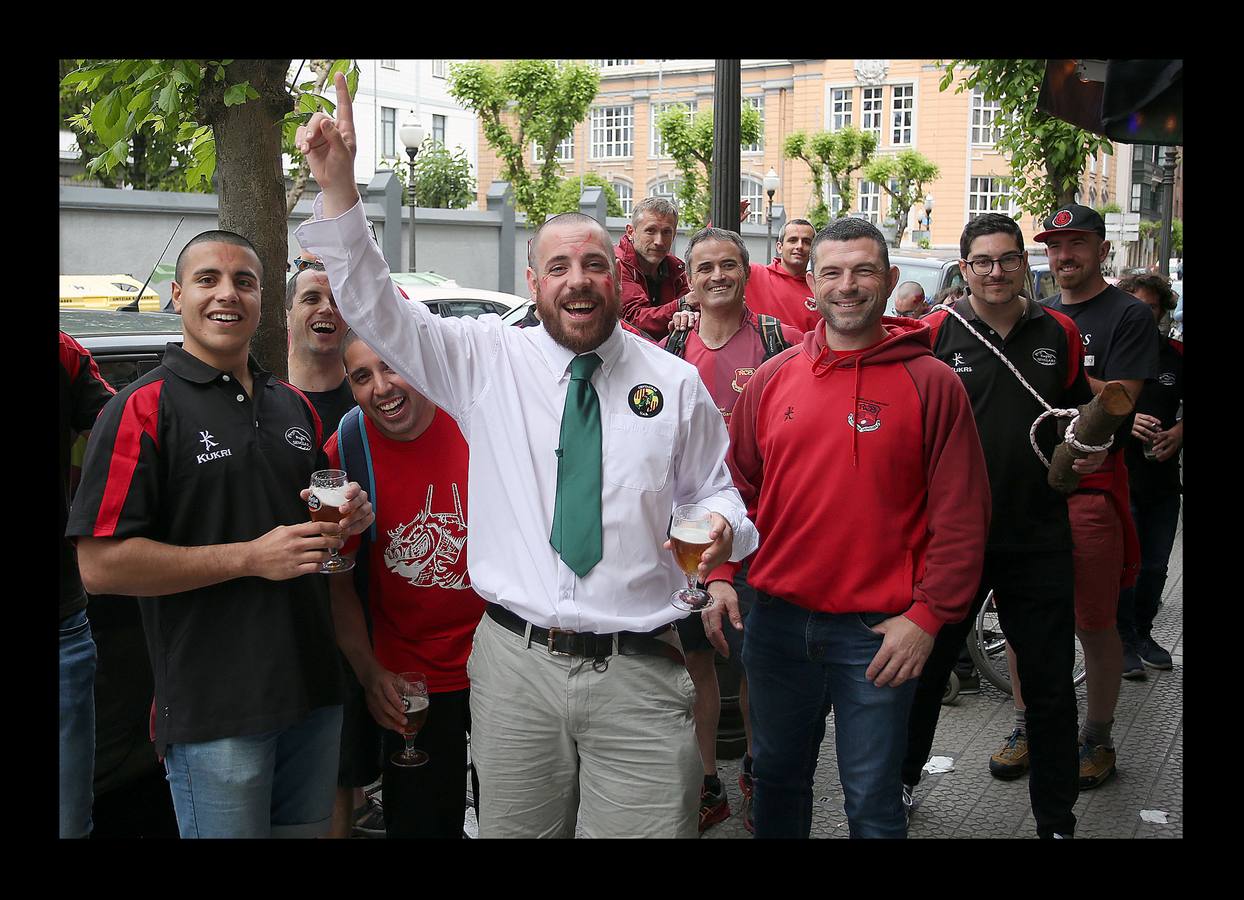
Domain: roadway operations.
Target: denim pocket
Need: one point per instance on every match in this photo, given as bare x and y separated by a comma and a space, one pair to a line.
77, 628
870, 620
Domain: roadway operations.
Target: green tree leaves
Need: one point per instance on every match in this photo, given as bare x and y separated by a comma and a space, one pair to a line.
911, 172
688, 138
443, 180
566, 199
833, 154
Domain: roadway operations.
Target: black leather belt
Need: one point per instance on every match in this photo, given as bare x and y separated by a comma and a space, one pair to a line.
581, 643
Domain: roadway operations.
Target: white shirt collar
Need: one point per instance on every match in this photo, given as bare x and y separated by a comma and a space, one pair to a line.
559, 357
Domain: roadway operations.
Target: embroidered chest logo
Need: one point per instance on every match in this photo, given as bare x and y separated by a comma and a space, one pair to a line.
209, 454
1044, 356
957, 363
790, 413
869, 416
1167, 379
810, 303
297, 437
741, 377
429, 550
646, 400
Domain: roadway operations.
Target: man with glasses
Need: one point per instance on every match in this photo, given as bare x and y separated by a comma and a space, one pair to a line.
1028, 553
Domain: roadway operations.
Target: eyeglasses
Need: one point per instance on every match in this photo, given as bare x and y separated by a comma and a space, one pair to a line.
300, 264
1009, 263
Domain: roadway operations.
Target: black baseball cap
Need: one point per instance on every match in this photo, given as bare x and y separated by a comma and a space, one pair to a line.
1073, 217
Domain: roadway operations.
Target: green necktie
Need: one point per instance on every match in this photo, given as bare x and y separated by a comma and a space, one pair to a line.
576, 510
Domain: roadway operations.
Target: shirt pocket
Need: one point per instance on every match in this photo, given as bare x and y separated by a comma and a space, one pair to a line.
638, 453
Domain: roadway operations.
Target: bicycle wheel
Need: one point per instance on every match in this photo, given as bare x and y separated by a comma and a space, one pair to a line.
987, 647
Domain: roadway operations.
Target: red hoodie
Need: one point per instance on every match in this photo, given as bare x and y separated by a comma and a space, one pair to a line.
774, 291
650, 315
865, 476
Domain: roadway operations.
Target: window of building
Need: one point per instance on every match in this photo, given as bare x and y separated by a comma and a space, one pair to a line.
990, 194
754, 190
757, 103
613, 132
438, 130
1105, 196
834, 198
1135, 198
388, 132
667, 189
985, 118
840, 108
902, 112
1092, 196
565, 150
659, 150
388, 63
1093, 164
870, 201
1105, 165
440, 68
611, 63
870, 107
626, 196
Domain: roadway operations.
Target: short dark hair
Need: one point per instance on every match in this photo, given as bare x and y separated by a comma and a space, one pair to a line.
1160, 286
346, 340
215, 237
716, 234
988, 223
850, 228
782, 233
570, 218
291, 289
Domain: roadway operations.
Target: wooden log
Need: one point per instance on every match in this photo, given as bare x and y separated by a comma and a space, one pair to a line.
1099, 418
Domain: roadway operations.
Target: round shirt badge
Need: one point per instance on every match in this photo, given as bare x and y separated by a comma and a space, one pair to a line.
646, 401
296, 437
1062, 220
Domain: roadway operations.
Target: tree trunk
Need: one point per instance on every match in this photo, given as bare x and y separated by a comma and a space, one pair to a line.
1063, 195
252, 187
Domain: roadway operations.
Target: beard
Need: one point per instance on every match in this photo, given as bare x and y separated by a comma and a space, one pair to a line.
852, 322
579, 337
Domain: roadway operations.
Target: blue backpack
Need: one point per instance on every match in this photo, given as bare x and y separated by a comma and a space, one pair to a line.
355, 453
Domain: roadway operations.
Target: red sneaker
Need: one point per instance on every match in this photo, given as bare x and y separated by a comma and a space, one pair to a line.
714, 808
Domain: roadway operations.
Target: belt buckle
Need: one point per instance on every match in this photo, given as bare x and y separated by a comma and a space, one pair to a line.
553, 632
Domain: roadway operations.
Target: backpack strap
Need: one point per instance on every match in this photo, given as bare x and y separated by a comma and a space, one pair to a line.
771, 335
356, 459
677, 343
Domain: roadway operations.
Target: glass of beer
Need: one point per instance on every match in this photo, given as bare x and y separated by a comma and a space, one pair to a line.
689, 538
413, 689
328, 491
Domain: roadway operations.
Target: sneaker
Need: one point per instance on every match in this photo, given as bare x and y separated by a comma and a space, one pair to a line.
1096, 765
909, 800
969, 683
1153, 655
714, 807
1133, 668
747, 785
369, 820
1011, 759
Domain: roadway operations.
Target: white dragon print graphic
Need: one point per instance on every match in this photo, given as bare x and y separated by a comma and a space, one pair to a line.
428, 552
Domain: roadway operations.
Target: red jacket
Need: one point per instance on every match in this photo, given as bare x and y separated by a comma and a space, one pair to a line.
774, 291
650, 315
865, 476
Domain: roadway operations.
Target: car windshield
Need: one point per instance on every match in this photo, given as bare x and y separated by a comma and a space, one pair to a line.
90, 322
927, 275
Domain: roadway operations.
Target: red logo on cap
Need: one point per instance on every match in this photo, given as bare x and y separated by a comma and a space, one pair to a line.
1062, 219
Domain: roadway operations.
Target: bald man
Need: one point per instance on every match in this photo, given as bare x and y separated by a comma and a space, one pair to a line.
909, 300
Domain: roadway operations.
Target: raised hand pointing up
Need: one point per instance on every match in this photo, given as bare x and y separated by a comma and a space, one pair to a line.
329, 147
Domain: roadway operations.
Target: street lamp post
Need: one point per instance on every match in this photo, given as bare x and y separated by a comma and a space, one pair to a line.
1169, 162
412, 137
928, 216
772, 181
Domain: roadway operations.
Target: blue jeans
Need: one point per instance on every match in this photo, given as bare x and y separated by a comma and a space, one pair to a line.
1156, 523
800, 665
276, 784
77, 725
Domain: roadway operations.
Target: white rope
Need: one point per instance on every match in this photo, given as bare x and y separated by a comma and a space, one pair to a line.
1069, 437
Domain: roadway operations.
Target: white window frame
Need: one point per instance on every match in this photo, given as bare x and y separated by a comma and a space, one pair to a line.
753, 189
388, 141
627, 201
656, 149
841, 107
1092, 164
986, 115
440, 68
444, 128
654, 190
611, 63
896, 114
565, 150
984, 192
1105, 165
868, 202
388, 64
757, 103
833, 197
869, 113
611, 132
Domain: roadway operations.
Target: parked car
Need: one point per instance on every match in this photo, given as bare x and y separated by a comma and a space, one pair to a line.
460, 301
105, 292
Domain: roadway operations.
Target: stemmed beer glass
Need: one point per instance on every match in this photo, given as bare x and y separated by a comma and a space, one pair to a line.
328, 492
689, 538
413, 689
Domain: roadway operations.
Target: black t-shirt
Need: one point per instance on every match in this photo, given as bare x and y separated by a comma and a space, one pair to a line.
83, 393
1045, 347
183, 456
1117, 332
1149, 479
332, 405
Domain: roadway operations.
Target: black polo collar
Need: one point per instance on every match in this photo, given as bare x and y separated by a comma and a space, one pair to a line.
1032, 310
186, 365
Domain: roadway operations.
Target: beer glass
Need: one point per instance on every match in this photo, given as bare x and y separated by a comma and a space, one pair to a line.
328, 492
413, 688
689, 538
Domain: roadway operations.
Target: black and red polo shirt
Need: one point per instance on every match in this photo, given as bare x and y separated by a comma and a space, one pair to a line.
1046, 349
83, 394
183, 456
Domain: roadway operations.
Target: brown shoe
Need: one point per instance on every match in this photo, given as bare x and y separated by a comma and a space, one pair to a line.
1096, 765
1011, 760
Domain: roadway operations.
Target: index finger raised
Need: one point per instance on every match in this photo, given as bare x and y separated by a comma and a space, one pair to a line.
345, 106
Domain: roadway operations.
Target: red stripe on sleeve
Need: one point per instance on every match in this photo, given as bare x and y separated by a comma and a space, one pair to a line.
70, 355
1075, 345
140, 416
319, 428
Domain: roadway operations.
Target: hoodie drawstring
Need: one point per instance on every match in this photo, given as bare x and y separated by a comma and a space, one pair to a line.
820, 371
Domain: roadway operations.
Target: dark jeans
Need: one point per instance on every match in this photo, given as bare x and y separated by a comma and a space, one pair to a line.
1035, 596
800, 665
429, 801
1156, 520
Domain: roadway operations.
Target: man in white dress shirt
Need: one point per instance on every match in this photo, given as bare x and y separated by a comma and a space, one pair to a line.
583, 438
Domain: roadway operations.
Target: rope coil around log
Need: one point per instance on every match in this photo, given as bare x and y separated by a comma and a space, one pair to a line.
1069, 436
